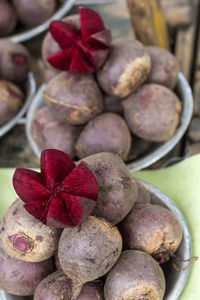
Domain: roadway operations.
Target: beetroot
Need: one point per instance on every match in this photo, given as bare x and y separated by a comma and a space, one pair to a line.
62, 194
8, 18
56, 286
74, 98
89, 250
143, 195
164, 68
21, 278
153, 112
107, 132
84, 44
33, 13
11, 100
24, 237
126, 68
153, 229
117, 188
48, 133
137, 276
14, 61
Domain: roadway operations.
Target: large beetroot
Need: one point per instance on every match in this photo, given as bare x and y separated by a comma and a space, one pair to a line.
89, 250
117, 188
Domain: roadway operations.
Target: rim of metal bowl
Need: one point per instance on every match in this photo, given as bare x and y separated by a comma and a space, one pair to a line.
185, 93
170, 204
175, 292
30, 33
30, 91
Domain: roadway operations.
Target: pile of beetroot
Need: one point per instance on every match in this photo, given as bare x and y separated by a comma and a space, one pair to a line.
104, 95
84, 231
22, 13
14, 68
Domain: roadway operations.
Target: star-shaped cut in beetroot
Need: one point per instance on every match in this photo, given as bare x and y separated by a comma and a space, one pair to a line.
84, 49
62, 195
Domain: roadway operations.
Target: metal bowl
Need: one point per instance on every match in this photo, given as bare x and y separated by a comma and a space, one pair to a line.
185, 95
30, 89
175, 281
184, 92
30, 33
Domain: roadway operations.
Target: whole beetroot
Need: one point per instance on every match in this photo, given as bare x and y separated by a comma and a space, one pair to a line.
24, 237
11, 100
74, 98
136, 275
14, 61
89, 250
107, 132
8, 18
49, 133
143, 195
21, 278
56, 286
33, 13
117, 188
153, 112
126, 68
153, 229
164, 69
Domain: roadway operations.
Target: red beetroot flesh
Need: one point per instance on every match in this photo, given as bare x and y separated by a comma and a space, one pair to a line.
85, 50
61, 195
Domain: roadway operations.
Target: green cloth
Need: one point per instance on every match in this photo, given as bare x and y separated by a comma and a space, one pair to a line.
180, 182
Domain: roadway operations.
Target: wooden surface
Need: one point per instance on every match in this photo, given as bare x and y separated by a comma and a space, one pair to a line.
148, 22
14, 148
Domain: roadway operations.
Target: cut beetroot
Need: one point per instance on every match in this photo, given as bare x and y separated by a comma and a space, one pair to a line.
84, 49
62, 194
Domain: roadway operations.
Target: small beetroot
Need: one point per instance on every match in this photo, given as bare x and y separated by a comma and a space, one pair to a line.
33, 13
49, 133
153, 229
143, 195
56, 286
11, 100
89, 250
14, 61
113, 104
21, 278
164, 68
107, 132
8, 18
24, 237
62, 194
84, 43
74, 98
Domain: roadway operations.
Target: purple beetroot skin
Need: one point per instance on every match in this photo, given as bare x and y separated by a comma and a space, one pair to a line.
8, 18
14, 61
21, 278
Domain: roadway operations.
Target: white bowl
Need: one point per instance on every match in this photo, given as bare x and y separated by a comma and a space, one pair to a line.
175, 281
30, 89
